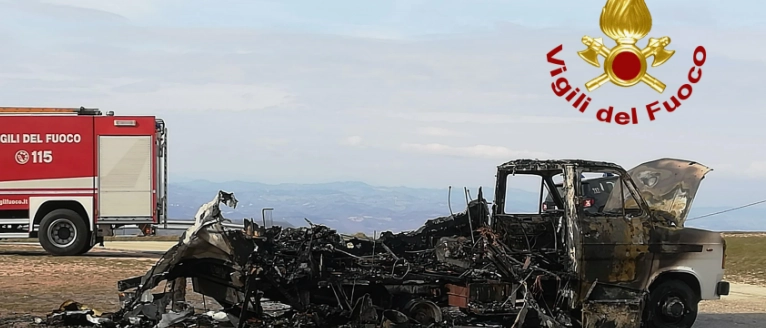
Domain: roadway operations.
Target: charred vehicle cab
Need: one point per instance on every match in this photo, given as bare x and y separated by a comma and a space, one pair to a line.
632, 261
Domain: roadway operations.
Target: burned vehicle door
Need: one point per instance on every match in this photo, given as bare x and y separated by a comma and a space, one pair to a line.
528, 229
616, 261
615, 240
545, 236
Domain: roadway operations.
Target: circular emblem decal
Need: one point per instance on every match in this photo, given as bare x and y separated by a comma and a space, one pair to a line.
22, 157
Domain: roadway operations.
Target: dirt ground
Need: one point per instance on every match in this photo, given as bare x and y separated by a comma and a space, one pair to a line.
32, 284
744, 307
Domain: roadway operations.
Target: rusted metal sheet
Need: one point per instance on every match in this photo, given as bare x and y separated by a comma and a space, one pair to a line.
480, 293
457, 296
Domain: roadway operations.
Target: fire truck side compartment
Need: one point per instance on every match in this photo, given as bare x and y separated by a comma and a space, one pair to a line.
125, 169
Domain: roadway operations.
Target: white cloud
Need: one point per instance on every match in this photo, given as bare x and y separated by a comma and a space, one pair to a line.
367, 217
358, 218
477, 151
483, 118
757, 169
213, 96
269, 142
439, 132
353, 141
127, 8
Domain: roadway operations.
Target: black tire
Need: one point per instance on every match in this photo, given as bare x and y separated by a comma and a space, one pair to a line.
672, 304
87, 247
63, 232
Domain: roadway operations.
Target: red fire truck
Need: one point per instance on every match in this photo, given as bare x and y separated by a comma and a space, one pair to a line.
69, 176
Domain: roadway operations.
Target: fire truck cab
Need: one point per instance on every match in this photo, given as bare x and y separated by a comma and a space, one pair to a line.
69, 176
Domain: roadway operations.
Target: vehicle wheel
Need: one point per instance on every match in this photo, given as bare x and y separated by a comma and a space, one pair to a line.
63, 232
87, 247
672, 304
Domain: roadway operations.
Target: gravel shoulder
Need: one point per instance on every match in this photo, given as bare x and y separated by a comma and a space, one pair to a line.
745, 306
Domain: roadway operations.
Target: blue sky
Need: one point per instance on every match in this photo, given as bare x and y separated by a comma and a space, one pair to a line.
417, 93
392, 18
409, 17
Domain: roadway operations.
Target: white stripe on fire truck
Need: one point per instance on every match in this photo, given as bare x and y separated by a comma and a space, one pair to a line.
48, 192
48, 189
14, 221
14, 235
62, 183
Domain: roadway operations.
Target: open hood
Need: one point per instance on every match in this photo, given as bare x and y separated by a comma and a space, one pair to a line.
669, 186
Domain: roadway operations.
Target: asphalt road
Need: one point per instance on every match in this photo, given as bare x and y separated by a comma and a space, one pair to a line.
141, 246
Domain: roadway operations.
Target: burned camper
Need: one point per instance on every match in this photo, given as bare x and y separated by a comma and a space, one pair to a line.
629, 264
324, 279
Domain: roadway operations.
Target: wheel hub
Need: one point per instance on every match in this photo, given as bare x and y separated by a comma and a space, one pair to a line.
673, 308
424, 312
62, 233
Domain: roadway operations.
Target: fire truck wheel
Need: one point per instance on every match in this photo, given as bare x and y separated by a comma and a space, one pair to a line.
63, 232
86, 248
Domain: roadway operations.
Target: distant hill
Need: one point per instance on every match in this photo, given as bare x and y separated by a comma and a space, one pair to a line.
345, 206
358, 207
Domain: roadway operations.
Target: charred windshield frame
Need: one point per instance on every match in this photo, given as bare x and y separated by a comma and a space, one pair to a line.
546, 182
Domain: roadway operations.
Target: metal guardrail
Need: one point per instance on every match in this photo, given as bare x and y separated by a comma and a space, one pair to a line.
185, 224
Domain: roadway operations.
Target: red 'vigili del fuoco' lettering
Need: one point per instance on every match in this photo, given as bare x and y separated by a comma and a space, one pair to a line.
685, 90
578, 99
561, 85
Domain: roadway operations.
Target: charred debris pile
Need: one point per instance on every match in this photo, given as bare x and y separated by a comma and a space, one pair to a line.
454, 271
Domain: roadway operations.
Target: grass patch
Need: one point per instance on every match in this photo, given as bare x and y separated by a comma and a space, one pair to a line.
745, 258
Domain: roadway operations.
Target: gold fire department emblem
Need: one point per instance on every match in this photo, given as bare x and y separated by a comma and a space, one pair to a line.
626, 22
